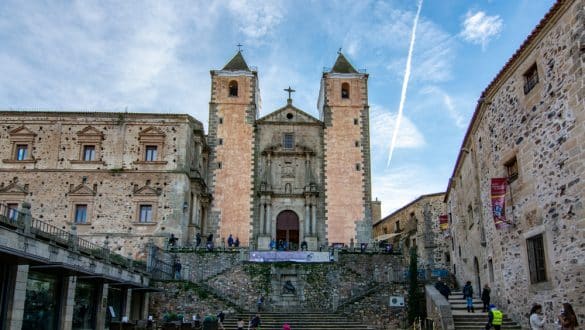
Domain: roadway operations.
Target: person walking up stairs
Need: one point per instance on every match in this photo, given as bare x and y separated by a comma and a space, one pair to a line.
465, 318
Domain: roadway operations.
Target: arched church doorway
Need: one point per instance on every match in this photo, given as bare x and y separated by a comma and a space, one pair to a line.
287, 229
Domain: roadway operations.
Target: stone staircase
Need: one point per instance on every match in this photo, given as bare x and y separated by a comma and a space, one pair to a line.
298, 321
477, 320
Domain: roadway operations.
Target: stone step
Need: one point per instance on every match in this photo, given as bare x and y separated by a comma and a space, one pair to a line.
298, 321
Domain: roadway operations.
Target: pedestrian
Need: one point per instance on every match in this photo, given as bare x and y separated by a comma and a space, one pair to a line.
237, 242
240, 324
177, 267
172, 241
304, 245
286, 326
220, 318
442, 288
230, 241
567, 318
209, 243
256, 322
260, 302
197, 240
495, 318
536, 318
272, 244
468, 296
485, 297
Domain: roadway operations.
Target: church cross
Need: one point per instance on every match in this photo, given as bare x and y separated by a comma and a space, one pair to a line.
339, 51
239, 45
289, 90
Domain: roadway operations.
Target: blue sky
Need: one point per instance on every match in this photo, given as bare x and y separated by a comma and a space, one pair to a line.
155, 56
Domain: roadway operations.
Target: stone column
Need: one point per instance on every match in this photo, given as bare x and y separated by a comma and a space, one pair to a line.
16, 306
68, 302
262, 217
314, 219
269, 218
128, 305
307, 220
102, 307
144, 309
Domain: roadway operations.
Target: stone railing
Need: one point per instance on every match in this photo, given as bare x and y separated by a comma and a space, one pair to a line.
438, 308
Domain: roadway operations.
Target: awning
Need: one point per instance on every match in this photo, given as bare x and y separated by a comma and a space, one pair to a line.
386, 237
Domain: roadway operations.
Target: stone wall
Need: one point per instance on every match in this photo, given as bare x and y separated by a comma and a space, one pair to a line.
55, 178
417, 223
358, 284
538, 130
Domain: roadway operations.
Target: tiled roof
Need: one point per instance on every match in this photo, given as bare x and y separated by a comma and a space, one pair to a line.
237, 63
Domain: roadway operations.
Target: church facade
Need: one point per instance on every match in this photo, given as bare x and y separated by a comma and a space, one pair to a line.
289, 176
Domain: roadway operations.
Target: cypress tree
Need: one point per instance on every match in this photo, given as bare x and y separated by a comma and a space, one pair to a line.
416, 303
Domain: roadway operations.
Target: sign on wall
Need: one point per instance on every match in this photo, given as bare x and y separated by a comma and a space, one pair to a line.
498, 194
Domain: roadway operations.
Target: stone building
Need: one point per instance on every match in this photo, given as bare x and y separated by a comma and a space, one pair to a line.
121, 178
286, 175
417, 225
528, 130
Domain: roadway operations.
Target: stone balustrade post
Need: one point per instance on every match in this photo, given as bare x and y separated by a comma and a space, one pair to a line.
25, 217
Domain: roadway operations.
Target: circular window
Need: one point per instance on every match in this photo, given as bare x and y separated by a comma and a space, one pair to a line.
289, 115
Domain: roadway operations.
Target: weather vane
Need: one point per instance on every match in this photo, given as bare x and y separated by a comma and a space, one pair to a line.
289, 90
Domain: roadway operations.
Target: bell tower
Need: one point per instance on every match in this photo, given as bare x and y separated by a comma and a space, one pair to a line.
344, 109
233, 109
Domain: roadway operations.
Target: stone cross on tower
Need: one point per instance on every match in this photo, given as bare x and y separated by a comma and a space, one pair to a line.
239, 45
289, 90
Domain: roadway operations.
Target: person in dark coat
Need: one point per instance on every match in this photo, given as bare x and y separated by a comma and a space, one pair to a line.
230, 241
442, 288
485, 297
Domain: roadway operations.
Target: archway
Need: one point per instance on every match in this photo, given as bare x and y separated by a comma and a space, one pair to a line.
287, 229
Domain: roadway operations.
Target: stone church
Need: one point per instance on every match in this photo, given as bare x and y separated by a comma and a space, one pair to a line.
125, 179
289, 176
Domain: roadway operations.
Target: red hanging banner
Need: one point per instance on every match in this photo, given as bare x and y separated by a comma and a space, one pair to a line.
443, 222
499, 186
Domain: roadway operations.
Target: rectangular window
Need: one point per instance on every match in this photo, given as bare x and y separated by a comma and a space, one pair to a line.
220, 142
530, 79
21, 151
88, 153
145, 213
218, 164
358, 167
12, 213
151, 153
81, 213
221, 120
289, 141
512, 169
536, 261
355, 121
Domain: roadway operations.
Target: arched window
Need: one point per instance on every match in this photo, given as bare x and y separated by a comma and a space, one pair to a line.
233, 87
345, 90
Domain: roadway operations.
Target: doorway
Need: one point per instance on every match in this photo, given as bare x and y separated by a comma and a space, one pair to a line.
478, 278
287, 229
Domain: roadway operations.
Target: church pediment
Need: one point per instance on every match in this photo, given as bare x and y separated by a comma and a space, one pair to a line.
14, 188
289, 115
82, 190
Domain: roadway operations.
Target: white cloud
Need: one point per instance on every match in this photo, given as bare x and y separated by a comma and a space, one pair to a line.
256, 18
399, 186
382, 123
448, 103
479, 28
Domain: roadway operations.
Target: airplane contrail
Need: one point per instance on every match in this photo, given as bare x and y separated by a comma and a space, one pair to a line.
404, 83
